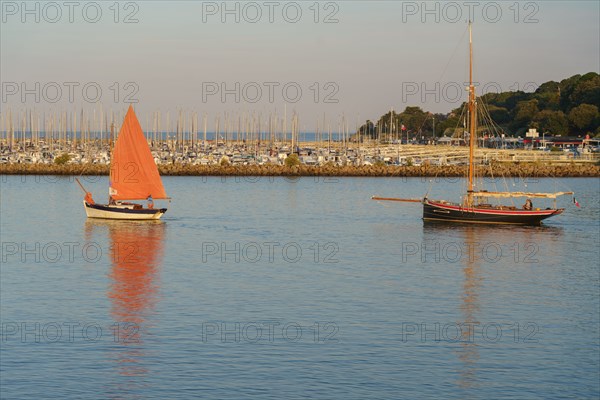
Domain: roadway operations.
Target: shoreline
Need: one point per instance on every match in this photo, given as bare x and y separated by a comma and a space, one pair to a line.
530, 169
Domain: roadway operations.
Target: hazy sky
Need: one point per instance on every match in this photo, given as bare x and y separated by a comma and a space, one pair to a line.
348, 58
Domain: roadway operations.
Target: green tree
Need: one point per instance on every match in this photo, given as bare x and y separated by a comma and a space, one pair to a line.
499, 115
587, 90
224, 161
509, 100
292, 160
548, 95
62, 159
553, 122
524, 113
368, 129
567, 87
451, 124
414, 118
584, 117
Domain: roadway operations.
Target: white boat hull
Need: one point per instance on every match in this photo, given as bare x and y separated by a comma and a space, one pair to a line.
121, 212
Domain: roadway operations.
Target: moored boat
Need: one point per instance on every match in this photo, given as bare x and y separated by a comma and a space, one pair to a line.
475, 206
439, 210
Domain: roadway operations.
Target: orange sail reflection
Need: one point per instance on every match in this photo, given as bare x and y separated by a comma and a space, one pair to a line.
136, 254
136, 250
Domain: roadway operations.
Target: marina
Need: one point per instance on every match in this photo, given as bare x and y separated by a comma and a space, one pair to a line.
45, 152
83, 138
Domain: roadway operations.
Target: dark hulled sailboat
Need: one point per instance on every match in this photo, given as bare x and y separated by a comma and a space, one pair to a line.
474, 207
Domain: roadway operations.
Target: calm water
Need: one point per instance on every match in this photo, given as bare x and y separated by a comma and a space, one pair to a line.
281, 288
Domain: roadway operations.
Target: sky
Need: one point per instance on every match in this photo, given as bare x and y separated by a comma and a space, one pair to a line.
328, 60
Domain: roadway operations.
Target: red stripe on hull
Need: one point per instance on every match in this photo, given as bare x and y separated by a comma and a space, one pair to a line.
493, 211
434, 211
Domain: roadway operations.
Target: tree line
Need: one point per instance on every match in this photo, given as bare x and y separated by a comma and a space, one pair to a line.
566, 108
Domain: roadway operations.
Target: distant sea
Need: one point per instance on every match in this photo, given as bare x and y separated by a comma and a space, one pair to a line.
265, 136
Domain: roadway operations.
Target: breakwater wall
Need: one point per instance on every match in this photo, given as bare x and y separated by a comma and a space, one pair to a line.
494, 170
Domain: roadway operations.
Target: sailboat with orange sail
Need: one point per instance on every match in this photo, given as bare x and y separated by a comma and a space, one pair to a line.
133, 176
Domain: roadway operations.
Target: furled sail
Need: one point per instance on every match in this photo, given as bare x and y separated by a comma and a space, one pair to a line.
521, 194
133, 172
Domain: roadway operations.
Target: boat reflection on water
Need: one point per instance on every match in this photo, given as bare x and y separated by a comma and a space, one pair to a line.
468, 353
464, 236
475, 263
136, 251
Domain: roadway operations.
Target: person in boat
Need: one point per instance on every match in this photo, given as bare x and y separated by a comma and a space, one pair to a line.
88, 198
111, 201
528, 205
150, 202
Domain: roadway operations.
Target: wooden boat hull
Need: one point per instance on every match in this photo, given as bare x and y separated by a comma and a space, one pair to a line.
124, 213
447, 212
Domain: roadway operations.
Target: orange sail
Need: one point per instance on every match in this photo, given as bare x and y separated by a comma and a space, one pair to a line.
133, 172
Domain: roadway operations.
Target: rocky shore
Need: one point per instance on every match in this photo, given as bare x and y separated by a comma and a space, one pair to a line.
533, 169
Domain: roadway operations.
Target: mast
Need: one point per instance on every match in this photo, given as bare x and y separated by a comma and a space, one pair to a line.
110, 157
472, 121
205, 126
